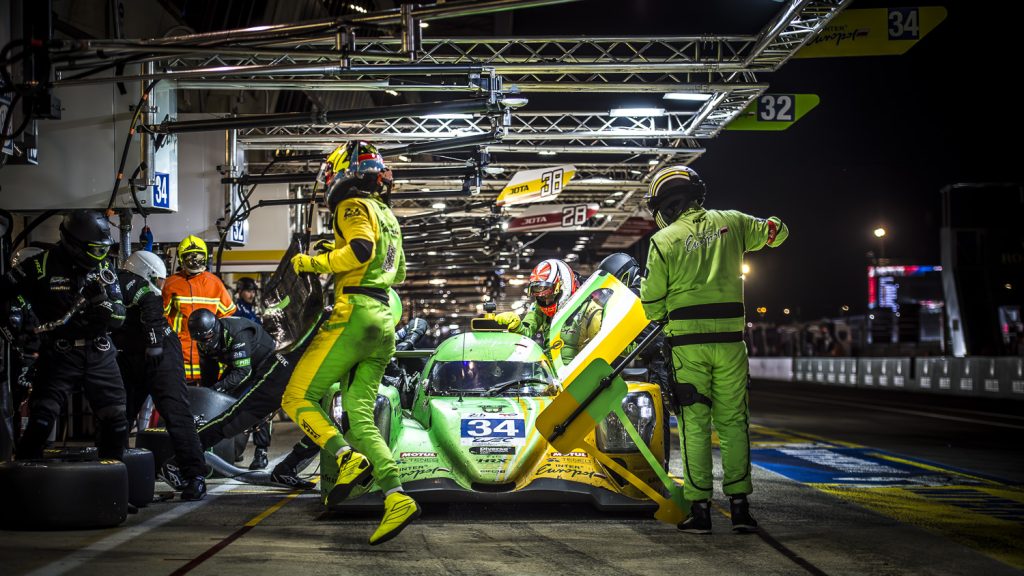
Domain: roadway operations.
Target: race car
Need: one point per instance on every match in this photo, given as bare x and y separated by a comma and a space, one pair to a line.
466, 431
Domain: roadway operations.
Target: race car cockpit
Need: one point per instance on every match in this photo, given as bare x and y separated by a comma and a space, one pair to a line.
491, 378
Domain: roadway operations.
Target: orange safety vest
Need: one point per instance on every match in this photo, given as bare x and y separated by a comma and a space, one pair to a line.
186, 294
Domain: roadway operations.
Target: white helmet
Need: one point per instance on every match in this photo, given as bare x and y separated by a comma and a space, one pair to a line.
148, 265
24, 254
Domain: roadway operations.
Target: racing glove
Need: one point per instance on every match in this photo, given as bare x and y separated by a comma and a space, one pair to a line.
302, 263
153, 356
322, 246
509, 319
95, 293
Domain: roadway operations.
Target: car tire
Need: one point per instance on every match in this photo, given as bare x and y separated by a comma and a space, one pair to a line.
54, 494
138, 461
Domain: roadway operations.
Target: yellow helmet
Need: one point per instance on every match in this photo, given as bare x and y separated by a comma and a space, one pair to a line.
192, 253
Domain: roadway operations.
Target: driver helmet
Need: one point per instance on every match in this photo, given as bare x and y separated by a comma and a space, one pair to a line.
552, 283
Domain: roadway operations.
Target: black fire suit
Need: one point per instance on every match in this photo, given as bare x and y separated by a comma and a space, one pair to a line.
151, 363
244, 345
50, 285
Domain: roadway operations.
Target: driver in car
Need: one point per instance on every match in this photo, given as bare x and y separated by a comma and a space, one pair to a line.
552, 283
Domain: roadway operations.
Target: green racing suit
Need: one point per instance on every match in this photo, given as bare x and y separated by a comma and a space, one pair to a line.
694, 282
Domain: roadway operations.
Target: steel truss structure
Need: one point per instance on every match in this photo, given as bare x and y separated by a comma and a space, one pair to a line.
332, 55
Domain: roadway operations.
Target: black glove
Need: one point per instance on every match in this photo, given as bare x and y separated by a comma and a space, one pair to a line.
95, 293
223, 389
153, 356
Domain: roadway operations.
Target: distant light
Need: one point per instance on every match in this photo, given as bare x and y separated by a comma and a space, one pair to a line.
359, 9
391, 92
635, 172
617, 194
424, 189
486, 298
634, 112
547, 152
459, 116
871, 316
1008, 286
745, 269
762, 310
438, 281
652, 162
438, 205
444, 301
688, 96
845, 308
750, 324
785, 311
609, 201
424, 24
403, 158
879, 232
504, 225
453, 326
431, 253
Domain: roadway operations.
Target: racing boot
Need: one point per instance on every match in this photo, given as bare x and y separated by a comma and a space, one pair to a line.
399, 511
742, 521
259, 459
353, 470
287, 476
699, 521
195, 489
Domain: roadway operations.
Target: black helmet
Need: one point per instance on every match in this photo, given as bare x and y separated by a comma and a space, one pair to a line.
245, 283
622, 266
204, 328
672, 191
85, 235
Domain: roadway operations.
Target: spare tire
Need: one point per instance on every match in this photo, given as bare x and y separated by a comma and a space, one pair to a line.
63, 495
138, 462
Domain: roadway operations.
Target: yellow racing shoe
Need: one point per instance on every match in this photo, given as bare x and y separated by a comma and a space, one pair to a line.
399, 511
353, 470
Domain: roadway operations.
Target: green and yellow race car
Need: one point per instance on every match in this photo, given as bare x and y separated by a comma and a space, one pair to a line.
466, 432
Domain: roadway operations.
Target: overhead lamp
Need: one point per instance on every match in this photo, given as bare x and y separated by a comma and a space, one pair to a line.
609, 201
431, 253
504, 225
359, 9
437, 281
403, 158
424, 24
494, 170
617, 194
515, 102
424, 189
390, 92
633, 112
438, 205
652, 162
547, 152
635, 172
687, 96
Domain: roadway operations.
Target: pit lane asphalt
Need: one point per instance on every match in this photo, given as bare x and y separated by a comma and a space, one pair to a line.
249, 530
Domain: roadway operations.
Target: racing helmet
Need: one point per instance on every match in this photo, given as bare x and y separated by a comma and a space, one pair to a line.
204, 328
355, 169
148, 265
85, 236
552, 283
395, 303
672, 191
622, 266
24, 254
192, 254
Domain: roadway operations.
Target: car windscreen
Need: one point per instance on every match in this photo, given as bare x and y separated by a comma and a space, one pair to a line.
491, 378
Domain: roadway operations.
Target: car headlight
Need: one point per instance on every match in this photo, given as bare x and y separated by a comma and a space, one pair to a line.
381, 415
612, 436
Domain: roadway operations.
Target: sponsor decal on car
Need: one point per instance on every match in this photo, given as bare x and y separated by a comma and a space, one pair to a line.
493, 431
405, 455
570, 454
492, 450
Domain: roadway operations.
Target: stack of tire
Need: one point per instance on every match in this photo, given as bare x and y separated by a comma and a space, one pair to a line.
72, 489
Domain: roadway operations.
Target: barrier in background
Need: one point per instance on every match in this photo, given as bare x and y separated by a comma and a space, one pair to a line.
994, 377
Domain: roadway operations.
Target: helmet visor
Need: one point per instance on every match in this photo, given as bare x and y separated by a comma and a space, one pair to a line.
194, 261
97, 251
207, 341
543, 293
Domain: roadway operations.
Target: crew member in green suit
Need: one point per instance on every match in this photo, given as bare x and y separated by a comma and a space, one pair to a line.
355, 345
694, 283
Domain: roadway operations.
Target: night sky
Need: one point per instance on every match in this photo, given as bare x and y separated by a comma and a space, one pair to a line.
889, 133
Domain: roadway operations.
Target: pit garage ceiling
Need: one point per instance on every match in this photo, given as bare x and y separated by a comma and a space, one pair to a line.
521, 84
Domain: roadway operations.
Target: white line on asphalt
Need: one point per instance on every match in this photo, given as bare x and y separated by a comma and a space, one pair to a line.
89, 553
900, 411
